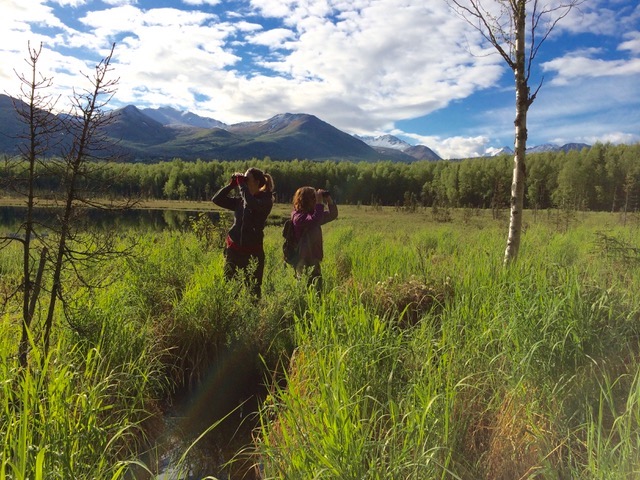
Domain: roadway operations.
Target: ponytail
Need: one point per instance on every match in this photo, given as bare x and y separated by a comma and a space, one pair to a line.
265, 181
269, 186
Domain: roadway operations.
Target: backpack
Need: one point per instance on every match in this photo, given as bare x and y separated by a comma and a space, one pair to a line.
291, 246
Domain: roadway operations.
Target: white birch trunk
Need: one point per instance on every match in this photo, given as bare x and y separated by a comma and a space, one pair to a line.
519, 169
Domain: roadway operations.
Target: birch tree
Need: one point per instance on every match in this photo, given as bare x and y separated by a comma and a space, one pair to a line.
516, 29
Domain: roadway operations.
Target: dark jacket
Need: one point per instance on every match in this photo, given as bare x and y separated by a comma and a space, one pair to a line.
306, 227
249, 217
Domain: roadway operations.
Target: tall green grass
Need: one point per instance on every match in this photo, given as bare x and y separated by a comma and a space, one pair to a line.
522, 372
75, 416
423, 358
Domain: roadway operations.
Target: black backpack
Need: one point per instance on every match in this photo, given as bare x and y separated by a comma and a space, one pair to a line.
290, 247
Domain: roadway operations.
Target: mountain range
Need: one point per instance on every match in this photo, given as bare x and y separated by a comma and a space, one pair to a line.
545, 147
150, 135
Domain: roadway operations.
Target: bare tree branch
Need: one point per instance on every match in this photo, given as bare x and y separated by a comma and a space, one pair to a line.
66, 253
507, 32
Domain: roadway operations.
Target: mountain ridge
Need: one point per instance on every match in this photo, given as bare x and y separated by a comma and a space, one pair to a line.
285, 136
545, 147
151, 135
386, 144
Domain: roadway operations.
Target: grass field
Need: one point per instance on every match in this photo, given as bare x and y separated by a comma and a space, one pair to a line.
423, 358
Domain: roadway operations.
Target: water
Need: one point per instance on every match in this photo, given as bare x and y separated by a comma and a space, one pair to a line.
212, 424
193, 411
227, 400
144, 219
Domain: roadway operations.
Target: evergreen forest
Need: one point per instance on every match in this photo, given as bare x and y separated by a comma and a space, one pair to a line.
605, 177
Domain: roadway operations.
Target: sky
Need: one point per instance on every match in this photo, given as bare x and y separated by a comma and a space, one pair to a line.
414, 69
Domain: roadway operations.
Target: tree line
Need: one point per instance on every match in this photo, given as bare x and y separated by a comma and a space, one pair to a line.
605, 177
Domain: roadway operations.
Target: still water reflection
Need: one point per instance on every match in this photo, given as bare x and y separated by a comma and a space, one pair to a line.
145, 219
189, 417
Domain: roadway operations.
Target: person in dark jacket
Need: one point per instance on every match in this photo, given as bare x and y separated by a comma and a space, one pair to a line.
307, 217
244, 244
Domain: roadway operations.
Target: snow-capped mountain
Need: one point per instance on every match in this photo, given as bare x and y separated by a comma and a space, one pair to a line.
388, 144
385, 141
545, 147
165, 133
495, 152
175, 118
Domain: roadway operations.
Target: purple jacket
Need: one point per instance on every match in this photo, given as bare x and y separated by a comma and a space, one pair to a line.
306, 227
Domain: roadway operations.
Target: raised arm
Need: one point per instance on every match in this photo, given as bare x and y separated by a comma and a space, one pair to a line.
332, 214
222, 198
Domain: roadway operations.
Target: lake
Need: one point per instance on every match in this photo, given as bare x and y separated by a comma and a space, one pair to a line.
146, 219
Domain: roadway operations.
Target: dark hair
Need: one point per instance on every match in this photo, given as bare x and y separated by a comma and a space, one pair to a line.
265, 181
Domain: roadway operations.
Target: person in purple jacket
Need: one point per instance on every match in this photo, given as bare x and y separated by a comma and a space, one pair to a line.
307, 217
244, 244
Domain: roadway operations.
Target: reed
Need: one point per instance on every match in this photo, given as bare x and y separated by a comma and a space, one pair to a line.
423, 358
74, 417
496, 383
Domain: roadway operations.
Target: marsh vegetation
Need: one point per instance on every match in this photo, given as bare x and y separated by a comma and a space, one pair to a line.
424, 358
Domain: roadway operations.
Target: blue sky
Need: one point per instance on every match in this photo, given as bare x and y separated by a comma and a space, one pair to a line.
411, 68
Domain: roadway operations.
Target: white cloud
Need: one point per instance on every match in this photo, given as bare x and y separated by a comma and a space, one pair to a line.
452, 147
350, 68
613, 137
361, 65
274, 38
16, 16
200, 2
70, 3
120, 3
357, 65
590, 108
293, 12
358, 55
633, 44
573, 66
591, 17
